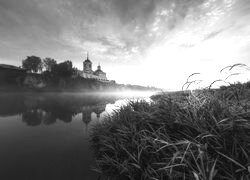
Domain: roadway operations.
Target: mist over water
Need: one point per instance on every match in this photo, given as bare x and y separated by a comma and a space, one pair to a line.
46, 136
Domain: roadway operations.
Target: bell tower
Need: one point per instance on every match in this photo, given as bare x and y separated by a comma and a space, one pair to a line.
99, 67
87, 65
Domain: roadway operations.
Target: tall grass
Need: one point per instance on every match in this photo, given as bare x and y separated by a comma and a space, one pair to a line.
200, 135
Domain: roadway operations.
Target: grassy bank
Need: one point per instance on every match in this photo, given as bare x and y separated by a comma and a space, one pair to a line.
200, 135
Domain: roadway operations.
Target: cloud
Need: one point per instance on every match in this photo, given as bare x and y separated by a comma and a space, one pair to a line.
129, 22
130, 11
119, 25
213, 34
119, 31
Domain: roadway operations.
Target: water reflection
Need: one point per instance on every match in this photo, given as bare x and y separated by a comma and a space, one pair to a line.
58, 147
47, 109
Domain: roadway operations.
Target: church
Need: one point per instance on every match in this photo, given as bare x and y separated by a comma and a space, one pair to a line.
90, 74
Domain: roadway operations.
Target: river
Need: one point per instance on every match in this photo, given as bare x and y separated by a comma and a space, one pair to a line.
46, 136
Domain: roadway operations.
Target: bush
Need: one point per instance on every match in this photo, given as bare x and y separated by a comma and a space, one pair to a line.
201, 135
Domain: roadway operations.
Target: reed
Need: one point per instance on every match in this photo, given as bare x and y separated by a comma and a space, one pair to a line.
200, 135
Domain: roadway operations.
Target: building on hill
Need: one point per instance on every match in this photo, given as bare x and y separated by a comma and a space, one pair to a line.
90, 74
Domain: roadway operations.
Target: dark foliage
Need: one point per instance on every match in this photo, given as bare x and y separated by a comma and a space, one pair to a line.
199, 135
32, 63
49, 63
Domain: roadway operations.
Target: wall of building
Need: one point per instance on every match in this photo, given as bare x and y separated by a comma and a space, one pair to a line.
102, 76
87, 75
92, 76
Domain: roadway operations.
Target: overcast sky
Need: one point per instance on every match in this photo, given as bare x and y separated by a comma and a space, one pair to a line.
148, 42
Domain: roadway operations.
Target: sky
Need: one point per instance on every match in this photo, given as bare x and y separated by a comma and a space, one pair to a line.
145, 42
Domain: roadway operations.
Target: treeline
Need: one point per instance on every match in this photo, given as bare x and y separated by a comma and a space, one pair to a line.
52, 75
48, 65
48, 75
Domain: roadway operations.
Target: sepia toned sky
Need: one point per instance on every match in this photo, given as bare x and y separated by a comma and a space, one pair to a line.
147, 42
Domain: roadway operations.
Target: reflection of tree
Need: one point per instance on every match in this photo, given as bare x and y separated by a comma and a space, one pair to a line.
35, 117
39, 109
49, 118
32, 117
65, 117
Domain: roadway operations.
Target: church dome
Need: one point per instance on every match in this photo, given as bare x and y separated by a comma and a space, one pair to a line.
87, 61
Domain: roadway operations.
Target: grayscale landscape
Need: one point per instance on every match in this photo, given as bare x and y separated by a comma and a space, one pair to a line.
124, 89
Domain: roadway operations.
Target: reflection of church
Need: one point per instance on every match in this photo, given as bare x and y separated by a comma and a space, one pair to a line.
88, 110
90, 74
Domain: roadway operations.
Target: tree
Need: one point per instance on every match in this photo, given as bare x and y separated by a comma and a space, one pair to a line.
49, 63
63, 70
32, 63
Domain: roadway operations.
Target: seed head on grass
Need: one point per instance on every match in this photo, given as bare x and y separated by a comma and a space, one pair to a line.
201, 134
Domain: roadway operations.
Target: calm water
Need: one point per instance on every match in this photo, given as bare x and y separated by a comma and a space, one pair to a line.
46, 136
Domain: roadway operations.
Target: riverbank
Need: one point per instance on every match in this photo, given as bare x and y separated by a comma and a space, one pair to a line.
78, 84
184, 135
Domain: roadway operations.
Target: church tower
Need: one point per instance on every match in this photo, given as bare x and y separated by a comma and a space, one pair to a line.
88, 73
87, 65
99, 67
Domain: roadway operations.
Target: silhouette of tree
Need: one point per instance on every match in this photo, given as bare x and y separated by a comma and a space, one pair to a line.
32, 63
63, 70
49, 63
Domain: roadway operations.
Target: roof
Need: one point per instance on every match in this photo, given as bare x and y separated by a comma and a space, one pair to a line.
87, 60
7, 66
98, 71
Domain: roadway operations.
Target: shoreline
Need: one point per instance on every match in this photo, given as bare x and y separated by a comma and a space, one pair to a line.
191, 135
